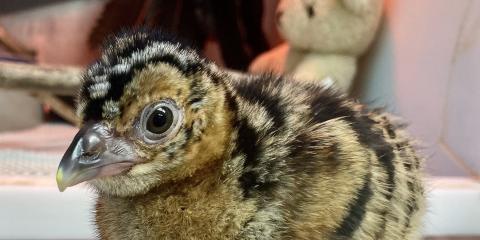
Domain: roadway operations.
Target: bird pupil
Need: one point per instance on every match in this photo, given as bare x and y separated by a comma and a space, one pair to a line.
160, 120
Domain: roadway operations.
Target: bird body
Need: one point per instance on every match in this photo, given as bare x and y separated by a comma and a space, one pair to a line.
194, 152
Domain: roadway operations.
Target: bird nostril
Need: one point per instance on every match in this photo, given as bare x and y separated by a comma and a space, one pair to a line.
92, 144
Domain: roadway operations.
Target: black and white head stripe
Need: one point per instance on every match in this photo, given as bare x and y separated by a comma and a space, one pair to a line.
123, 54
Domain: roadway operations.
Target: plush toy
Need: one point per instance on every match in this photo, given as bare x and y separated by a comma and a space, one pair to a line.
324, 39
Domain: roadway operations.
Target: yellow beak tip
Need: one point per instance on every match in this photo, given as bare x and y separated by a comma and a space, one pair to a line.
60, 180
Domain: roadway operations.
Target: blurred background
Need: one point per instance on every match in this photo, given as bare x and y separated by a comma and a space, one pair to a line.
421, 62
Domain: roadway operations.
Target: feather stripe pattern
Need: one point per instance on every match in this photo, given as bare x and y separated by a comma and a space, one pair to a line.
254, 157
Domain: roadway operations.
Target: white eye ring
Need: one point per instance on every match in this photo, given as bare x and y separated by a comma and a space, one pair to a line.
173, 120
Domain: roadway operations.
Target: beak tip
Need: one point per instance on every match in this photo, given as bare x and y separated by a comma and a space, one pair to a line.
59, 177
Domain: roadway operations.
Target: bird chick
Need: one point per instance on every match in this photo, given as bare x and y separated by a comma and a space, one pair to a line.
179, 149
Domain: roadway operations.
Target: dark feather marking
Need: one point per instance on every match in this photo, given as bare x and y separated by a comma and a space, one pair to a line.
197, 92
300, 144
188, 132
188, 135
231, 103
187, 69
194, 100
373, 139
247, 145
214, 76
118, 83
417, 162
93, 110
253, 92
390, 129
139, 39
412, 206
381, 233
408, 166
356, 211
326, 106
304, 155
248, 182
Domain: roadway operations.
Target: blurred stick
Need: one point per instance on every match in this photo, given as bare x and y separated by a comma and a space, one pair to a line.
55, 80
44, 82
15, 46
59, 107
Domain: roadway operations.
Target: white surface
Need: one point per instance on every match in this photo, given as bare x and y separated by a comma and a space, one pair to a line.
44, 213
453, 207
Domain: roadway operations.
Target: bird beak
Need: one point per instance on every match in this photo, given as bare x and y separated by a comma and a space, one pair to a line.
94, 152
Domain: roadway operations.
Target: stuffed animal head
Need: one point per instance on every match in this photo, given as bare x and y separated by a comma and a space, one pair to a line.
329, 26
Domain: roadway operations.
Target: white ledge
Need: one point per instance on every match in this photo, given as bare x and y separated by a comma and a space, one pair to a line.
42, 212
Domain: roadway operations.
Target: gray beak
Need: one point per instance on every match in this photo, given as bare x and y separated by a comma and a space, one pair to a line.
94, 152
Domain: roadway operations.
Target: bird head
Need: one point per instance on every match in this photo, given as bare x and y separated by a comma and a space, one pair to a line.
153, 112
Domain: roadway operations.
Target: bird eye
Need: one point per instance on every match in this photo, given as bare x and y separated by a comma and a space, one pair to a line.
159, 121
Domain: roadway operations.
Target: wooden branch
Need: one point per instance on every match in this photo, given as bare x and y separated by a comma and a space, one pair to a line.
55, 80
59, 107
15, 46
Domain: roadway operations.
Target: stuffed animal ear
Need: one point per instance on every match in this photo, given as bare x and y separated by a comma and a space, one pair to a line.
361, 7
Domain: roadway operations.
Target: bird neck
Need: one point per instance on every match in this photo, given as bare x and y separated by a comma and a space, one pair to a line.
200, 205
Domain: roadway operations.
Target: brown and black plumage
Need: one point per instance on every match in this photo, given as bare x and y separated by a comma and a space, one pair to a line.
180, 149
